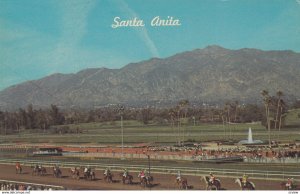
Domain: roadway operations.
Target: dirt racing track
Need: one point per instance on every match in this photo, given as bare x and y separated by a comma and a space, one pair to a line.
161, 181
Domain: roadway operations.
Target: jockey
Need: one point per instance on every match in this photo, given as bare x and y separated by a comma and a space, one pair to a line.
244, 179
56, 167
212, 178
125, 173
289, 183
142, 174
178, 176
86, 169
18, 165
106, 172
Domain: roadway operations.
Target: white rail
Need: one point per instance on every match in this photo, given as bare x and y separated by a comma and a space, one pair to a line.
234, 173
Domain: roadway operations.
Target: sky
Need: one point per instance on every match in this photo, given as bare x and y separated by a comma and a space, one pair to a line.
39, 38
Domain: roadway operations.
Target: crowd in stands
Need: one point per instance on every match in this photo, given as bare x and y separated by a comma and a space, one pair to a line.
250, 152
7, 186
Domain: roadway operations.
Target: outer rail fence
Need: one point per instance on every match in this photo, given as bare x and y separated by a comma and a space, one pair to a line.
231, 173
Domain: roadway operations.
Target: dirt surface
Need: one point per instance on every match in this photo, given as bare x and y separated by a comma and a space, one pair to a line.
161, 181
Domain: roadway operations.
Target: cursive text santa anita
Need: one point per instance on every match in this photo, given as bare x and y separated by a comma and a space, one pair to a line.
155, 22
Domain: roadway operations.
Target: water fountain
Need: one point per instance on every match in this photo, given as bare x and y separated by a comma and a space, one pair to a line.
250, 139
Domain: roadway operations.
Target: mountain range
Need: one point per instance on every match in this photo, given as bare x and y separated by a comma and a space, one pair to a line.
211, 74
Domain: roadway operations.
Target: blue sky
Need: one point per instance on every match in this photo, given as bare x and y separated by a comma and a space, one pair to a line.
39, 38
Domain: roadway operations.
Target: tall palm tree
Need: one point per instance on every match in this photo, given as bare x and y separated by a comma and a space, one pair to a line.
279, 95
177, 108
267, 103
281, 104
183, 105
227, 109
236, 106
172, 115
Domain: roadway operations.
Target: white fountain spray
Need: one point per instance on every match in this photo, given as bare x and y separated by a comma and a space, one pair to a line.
250, 139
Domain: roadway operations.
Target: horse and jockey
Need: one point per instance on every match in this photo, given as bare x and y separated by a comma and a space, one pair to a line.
38, 169
289, 184
212, 182
56, 171
88, 173
244, 183
18, 168
126, 176
180, 181
75, 173
108, 175
145, 178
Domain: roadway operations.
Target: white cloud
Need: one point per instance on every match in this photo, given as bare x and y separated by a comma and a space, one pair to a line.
143, 33
73, 28
74, 19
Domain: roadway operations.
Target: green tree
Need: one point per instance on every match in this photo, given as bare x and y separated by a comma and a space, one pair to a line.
30, 117
56, 117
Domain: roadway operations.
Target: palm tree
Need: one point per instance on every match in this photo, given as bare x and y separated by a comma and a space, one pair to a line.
177, 108
279, 95
227, 109
267, 103
236, 106
172, 114
281, 104
183, 105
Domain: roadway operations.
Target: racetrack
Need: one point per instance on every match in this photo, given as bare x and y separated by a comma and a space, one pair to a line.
161, 181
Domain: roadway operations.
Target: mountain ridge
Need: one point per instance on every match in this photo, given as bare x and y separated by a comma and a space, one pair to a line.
213, 73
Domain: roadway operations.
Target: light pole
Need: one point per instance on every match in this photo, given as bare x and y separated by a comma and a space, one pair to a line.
149, 164
122, 131
121, 112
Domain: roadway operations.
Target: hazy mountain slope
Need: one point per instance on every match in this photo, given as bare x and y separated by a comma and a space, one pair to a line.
210, 74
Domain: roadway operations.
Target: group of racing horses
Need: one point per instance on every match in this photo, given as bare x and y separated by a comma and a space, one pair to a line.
145, 180
88, 174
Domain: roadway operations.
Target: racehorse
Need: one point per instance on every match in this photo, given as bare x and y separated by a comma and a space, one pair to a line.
41, 171
128, 178
18, 169
108, 178
182, 183
56, 172
285, 187
146, 180
89, 175
216, 185
75, 173
249, 185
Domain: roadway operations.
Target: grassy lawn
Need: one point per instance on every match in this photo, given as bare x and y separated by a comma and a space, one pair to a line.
292, 118
135, 132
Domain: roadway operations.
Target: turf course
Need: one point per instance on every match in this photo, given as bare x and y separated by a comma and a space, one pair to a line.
136, 132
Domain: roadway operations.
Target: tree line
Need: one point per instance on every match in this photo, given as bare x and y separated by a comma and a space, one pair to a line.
271, 113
